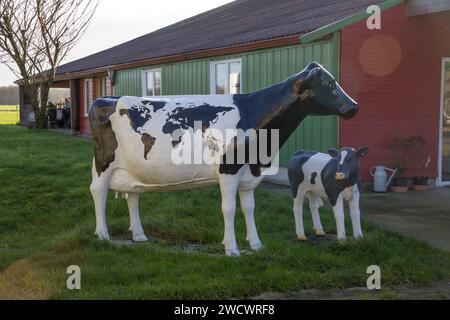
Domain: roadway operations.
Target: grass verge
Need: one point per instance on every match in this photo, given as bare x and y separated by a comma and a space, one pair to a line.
9, 115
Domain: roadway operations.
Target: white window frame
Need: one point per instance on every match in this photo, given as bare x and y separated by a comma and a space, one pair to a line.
441, 183
212, 74
144, 80
87, 104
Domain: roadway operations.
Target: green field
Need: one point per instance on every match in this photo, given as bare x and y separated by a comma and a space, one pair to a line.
47, 223
9, 115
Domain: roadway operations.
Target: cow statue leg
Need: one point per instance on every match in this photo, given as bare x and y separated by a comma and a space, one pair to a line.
338, 211
314, 204
298, 216
355, 213
99, 190
247, 201
135, 220
228, 188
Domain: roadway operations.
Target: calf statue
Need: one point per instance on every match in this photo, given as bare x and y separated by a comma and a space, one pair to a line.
334, 176
135, 138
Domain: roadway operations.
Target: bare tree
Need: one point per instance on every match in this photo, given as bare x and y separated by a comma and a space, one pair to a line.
18, 26
35, 36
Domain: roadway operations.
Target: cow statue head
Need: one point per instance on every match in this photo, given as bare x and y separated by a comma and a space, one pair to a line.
322, 95
347, 162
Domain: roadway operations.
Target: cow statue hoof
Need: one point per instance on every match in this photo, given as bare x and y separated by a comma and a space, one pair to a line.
102, 235
140, 238
302, 238
342, 240
358, 237
320, 233
232, 253
257, 247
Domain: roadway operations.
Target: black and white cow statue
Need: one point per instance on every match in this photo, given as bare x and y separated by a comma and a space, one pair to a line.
135, 139
333, 176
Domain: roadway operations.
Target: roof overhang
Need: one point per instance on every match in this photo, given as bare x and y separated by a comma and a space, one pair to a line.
340, 24
239, 48
323, 33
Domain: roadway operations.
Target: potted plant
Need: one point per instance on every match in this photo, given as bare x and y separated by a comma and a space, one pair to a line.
410, 154
51, 113
420, 180
400, 148
399, 182
420, 160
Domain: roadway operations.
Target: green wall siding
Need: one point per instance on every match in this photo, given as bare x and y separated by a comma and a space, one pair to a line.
260, 69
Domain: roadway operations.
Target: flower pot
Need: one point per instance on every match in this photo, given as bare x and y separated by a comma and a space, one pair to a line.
399, 184
399, 188
420, 184
420, 187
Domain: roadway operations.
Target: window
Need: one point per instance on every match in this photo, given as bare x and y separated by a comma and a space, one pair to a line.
226, 77
87, 96
151, 81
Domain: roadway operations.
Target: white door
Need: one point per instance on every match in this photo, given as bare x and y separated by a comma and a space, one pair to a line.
444, 145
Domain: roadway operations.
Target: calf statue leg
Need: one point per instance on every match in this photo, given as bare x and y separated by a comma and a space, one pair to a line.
355, 214
135, 221
338, 211
228, 188
247, 200
99, 190
314, 204
298, 216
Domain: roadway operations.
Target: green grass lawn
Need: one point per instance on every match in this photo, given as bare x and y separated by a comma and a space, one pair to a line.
9, 115
47, 223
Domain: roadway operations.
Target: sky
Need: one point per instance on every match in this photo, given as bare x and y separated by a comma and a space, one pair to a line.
117, 21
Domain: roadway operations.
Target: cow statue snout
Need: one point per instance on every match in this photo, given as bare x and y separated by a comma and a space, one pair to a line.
324, 95
349, 110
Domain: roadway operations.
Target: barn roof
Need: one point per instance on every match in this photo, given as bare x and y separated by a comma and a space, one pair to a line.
239, 22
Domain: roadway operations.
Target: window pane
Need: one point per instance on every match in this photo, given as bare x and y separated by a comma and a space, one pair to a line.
157, 83
235, 77
150, 85
221, 78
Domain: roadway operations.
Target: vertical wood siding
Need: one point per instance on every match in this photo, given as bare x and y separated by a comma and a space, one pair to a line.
395, 75
260, 69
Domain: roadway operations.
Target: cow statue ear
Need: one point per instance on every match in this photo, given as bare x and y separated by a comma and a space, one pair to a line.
362, 152
333, 152
313, 74
312, 65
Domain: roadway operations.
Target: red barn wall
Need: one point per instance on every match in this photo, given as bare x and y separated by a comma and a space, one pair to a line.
395, 75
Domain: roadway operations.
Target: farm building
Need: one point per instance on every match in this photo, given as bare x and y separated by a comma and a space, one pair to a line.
399, 74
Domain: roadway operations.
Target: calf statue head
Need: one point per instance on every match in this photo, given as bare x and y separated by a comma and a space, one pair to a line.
322, 95
347, 161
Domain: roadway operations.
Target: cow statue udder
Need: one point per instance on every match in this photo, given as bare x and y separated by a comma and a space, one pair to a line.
133, 141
